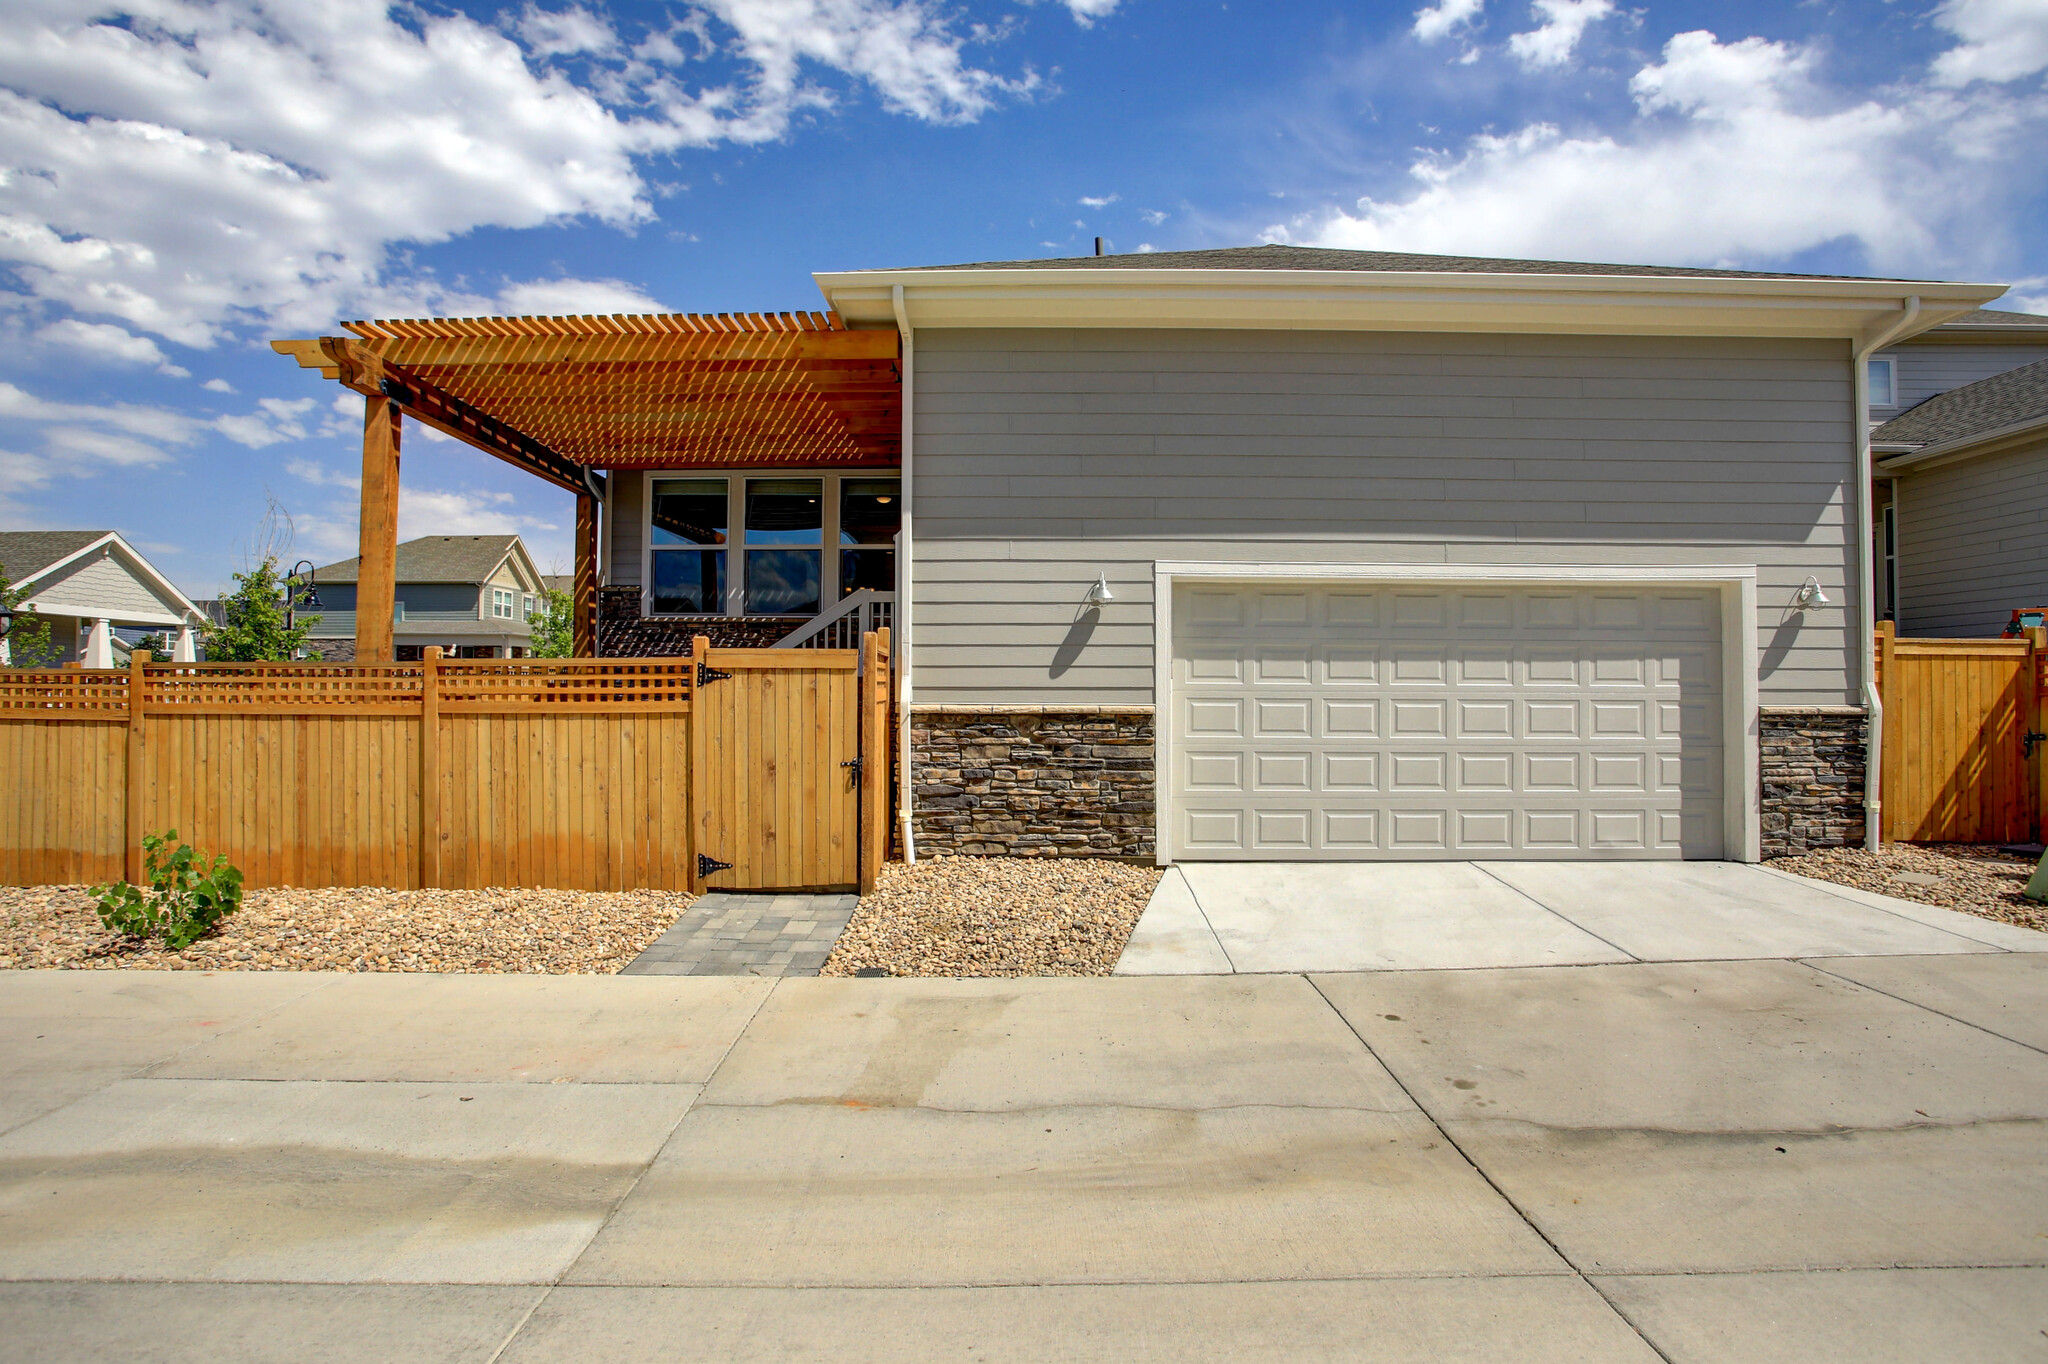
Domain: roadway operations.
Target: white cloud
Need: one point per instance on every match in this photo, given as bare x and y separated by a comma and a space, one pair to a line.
80, 440
192, 167
1086, 12
1103, 201
2003, 40
109, 342
218, 386
151, 423
276, 421
1444, 17
565, 297
561, 33
1564, 22
102, 445
1737, 153
1153, 216
320, 476
424, 511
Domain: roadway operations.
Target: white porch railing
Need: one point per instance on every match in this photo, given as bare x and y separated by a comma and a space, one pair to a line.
842, 626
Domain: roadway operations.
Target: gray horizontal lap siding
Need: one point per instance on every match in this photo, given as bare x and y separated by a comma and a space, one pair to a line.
1923, 371
1973, 543
1044, 456
627, 510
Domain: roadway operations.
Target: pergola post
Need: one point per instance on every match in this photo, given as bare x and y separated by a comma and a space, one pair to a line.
583, 630
377, 536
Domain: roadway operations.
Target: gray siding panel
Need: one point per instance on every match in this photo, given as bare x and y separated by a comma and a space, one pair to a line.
1973, 543
1045, 456
1923, 371
626, 512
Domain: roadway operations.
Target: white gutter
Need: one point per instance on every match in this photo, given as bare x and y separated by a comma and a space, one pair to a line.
906, 794
1866, 596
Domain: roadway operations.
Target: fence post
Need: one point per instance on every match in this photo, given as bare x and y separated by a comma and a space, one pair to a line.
2037, 673
132, 818
700, 653
1888, 766
874, 756
429, 875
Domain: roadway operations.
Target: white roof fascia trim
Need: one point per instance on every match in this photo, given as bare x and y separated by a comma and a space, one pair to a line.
112, 539
1460, 572
1393, 300
1963, 447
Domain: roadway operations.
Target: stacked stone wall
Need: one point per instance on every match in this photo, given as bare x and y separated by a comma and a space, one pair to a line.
1812, 769
1030, 782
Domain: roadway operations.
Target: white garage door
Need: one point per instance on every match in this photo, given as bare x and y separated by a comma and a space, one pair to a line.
1350, 722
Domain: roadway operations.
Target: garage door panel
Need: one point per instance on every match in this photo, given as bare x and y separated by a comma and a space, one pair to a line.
1419, 722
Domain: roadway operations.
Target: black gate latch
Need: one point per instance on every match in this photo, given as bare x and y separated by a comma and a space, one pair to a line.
853, 766
2029, 739
707, 674
706, 866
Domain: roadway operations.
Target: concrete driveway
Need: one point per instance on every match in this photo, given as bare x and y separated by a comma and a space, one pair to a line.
1842, 1158
1216, 917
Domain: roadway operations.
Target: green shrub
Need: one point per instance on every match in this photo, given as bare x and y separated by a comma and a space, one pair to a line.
186, 898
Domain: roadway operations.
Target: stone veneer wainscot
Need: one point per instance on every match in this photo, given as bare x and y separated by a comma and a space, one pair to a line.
1812, 771
1033, 781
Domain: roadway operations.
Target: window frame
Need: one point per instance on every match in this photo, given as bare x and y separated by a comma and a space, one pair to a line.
1891, 381
507, 597
736, 547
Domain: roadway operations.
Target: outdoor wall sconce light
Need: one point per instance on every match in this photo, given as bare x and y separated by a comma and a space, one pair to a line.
292, 600
1099, 592
6, 620
1809, 594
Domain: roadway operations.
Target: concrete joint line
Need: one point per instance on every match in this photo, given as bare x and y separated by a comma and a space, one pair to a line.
1214, 936
1499, 1192
1813, 964
1053, 1108
1559, 914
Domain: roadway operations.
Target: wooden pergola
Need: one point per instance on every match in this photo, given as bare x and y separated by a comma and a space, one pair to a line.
568, 398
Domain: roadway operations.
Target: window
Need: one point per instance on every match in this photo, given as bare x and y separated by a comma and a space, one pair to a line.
526, 607
803, 542
785, 544
688, 515
501, 602
870, 514
1883, 392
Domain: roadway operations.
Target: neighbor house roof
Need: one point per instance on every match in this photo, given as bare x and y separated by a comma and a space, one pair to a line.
435, 559
1993, 319
2005, 404
1274, 256
25, 553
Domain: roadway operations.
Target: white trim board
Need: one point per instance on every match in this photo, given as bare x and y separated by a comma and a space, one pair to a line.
1743, 783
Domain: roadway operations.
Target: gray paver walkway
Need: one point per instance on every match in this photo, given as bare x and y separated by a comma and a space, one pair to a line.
731, 934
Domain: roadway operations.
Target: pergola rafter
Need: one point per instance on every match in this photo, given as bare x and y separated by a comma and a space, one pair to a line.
563, 397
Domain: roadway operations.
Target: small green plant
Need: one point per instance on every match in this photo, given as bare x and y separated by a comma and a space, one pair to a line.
186, 895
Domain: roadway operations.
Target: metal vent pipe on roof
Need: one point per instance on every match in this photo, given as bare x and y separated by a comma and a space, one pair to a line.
1098, 246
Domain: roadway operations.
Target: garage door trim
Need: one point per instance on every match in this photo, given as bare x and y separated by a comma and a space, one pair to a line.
1735, 583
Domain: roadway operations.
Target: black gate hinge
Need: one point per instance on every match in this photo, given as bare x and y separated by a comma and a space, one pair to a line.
853, 765
2029, 739
707, 866
707, 674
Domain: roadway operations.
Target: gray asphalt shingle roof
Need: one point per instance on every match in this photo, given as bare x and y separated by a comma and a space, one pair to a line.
2003, 400
435, 559
23, 552
1993, 317
1277, 257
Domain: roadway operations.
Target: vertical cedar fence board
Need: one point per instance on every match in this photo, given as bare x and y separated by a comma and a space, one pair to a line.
585, 774
1956, 713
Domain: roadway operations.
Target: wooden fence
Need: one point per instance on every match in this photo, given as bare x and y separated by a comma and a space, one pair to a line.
1959, 765
730, 769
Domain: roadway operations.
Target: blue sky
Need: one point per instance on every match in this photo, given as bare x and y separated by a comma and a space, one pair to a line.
180, 181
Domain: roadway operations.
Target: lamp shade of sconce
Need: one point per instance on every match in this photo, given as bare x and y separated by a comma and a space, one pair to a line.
1809, 594
1099, 592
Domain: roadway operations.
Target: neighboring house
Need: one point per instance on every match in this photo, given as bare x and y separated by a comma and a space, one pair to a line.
1964, 527
470, 594
1266, 553
1962, 474
89, 583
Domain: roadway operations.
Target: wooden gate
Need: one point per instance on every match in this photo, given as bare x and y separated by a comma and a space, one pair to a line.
775, 768
1958, 764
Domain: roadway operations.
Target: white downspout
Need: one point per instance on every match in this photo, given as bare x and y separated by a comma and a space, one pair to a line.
1866, 596
907, 793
